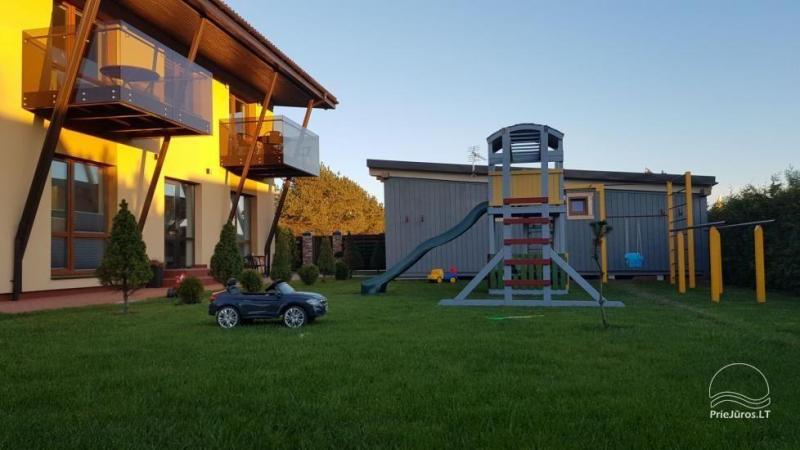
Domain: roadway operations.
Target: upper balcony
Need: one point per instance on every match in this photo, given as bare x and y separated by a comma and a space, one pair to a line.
283, 148
129, 85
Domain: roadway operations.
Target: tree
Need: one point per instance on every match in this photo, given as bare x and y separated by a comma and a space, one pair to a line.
600, 229
227, 262
329, 203
281, 262
325, 261
125, 264
779, 200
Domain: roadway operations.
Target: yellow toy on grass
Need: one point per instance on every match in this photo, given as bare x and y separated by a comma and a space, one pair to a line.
436, 275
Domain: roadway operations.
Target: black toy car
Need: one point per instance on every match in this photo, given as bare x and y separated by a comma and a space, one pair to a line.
232, 306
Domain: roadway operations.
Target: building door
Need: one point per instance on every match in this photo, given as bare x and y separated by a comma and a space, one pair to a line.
178, 224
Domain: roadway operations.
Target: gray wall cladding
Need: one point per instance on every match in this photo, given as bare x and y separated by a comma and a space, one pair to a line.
417, 209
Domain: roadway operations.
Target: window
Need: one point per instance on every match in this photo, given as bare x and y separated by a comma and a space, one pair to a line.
243, 221
78, 216
579, 205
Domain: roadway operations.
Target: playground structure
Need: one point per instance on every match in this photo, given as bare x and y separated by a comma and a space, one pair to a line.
682, 248
532, 197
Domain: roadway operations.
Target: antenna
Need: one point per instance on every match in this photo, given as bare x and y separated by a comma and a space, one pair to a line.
474, 155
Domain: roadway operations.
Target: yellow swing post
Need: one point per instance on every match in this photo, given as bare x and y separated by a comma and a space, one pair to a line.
761, 286
679, 244
715, 254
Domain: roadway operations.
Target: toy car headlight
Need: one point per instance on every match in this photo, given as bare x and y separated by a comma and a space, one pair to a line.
315, 302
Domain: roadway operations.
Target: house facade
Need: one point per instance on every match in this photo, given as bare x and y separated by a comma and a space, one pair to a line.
422, 200
168, 106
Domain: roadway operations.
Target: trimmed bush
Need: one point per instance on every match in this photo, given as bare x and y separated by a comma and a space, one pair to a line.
227, 262
251, 281
281, 263
309, 274
125, 265
190, 291
325, 261
342, 271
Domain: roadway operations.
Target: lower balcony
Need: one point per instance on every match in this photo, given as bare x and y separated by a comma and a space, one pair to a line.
282, 148
129, 85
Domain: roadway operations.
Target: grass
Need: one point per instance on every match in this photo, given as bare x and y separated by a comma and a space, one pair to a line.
399, 371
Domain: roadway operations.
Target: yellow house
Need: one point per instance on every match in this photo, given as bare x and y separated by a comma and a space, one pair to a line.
157, 102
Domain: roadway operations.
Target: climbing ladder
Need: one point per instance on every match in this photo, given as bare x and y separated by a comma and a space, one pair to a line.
539, 215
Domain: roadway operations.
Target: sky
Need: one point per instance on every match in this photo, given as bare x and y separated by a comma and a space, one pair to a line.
711, 87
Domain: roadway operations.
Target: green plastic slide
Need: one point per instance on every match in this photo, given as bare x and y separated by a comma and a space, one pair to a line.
376, 285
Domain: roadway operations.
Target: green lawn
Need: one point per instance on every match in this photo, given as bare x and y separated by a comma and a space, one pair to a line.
399, 371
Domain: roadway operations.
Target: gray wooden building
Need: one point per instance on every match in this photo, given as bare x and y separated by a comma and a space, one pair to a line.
422, 200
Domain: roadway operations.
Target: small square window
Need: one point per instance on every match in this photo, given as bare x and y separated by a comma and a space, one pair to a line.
579, 206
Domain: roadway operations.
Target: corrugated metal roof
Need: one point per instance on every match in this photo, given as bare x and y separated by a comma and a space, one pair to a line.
570, 174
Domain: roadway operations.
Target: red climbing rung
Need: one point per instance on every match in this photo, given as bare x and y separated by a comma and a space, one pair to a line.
525, 200
526, 220
527, 262
516, 283
523, 241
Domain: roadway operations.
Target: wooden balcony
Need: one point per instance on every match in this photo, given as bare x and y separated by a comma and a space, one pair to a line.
283, 148
129, 85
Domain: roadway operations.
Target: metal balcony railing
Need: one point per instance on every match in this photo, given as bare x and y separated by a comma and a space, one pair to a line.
283, 148
129, 84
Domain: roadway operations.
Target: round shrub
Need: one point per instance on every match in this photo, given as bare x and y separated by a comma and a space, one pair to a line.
342, 271
226, 262
309, 274
251, 281
190, 291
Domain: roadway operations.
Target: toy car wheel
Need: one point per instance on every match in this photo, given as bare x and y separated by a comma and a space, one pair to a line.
228, 317
295, 317
438, 280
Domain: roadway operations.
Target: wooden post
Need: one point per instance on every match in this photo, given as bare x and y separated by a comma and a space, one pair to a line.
253, 146
670, 241
681, 267
761, 285
715, 255
52, 135
162, 152
690, 232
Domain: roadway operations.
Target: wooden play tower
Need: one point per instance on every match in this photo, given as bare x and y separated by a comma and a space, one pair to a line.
527, 200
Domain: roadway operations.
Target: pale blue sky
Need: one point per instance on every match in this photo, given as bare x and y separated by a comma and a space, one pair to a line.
712, 87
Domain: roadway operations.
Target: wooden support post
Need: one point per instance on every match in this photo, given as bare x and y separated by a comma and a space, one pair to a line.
162, 152
670, 240
715, 256
52, 135
761, 285
253, 146
679, 244
282, 201
601, 194
690, 232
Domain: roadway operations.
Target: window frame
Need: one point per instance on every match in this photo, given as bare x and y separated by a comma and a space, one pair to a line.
588, 197
195, 187
69, 234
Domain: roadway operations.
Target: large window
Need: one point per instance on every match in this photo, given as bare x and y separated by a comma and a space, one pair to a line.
78, 219
243, 221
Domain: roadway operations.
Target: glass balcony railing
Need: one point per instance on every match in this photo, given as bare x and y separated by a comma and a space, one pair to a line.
128, 85
283, 148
